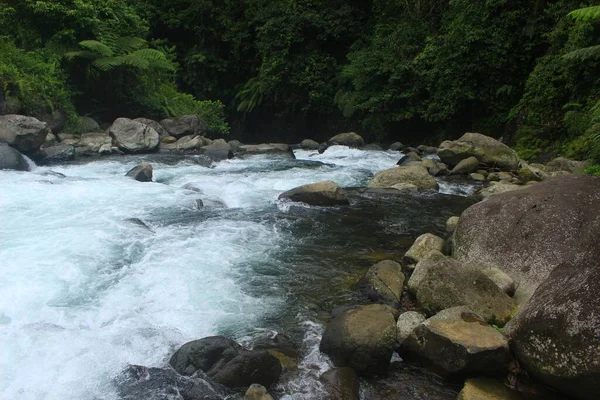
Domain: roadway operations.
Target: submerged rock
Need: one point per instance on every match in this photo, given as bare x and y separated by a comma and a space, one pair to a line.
326, 193
322, 147
529, 232
384, 282
363, 339
12, 159
141, 172
414, 174
26, 134
132, 136
458, 342
341, 383
138, 382
350, 139
486, 149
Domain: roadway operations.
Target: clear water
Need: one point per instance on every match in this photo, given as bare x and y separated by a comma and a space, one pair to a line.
84, 290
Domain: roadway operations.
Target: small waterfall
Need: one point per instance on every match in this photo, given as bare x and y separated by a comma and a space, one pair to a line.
30, 163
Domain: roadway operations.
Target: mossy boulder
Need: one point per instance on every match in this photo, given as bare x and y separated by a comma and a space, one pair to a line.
350, 139
413, 174
487, 150
384, 282
422, 246
326, 193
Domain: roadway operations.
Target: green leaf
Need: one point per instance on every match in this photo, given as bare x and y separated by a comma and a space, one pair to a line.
97, 47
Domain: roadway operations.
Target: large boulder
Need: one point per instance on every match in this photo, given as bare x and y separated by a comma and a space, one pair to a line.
439, 283
183, 126
12, 159
88, 125
556, 335
465, 166
350, 139
218, 151
396, 146
457, 342
309, 144
384, 282
363, 339
226, 362
137, 382
132, 136
141, 172
25, 134
189, 143
529, 232
562, 164
486, 149
57, 154
91, 143
326, 193
414, 174
162, 132
341, 384
266, 148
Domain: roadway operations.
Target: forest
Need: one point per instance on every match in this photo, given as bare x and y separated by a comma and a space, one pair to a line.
416, 71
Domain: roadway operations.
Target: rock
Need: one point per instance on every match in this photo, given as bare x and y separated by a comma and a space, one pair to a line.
372, 147
422, 246
169, 140
487, 389
280, 343
407, 323
341, 384
92, 142
105, 149
88, 125
429, 164
562, 164
396, 146
186, 125
55, 120
555, 335
408, 158
501, 279
25, 134
405, 187
51, 140
427, 149
528, 173
498, 188
234, 144
456, 342
9, 104
412, 150
162, 132
326, 193
218, 151
477, 177
529, 232
349, 139
203, 354
132, 136
465, 166
248, 366
11, 159
322, 147
439, 170
138, 382
441, 283
57, 154
487, 150
384, 282
257, 392
267, 148
363, 339
451, 224
309, 144
189, 143
65, 136
141, 172
414, 174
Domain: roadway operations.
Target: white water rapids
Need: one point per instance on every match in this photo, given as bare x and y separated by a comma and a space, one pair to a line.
84, 291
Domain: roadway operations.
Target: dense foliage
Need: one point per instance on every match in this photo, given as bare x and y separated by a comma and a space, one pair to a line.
410, 70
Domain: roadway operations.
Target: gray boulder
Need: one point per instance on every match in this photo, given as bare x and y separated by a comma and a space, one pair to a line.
465, 166
529, 232
350, 139
457, 342
562, 164
372, 147
341, 384
218, 151
555, 336
203, 353
322, 147
88, 125
12, 159
396, 146
384, 282
183, 126
133, 137
25, 134
137, 382
266, 148
407, 323
309, 144
57, 154
409, 158
189, 143
422, 246
487, 150
162, 132
363, 339
141, 172
93, 142
326, 193
440, 283
414, 174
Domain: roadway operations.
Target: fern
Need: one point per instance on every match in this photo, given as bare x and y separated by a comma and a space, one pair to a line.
97, 47
586, 14
251, 96
585, 53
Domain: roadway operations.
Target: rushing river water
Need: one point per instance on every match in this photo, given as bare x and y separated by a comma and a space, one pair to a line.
86, 288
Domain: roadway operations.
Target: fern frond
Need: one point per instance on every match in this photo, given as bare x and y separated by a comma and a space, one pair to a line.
584, 54
126, 45
97, 47
134, 61
586, 14
80, 54
149, 54
107, 63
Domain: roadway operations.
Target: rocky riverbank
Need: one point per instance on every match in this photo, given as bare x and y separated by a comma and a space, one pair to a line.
505, 296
